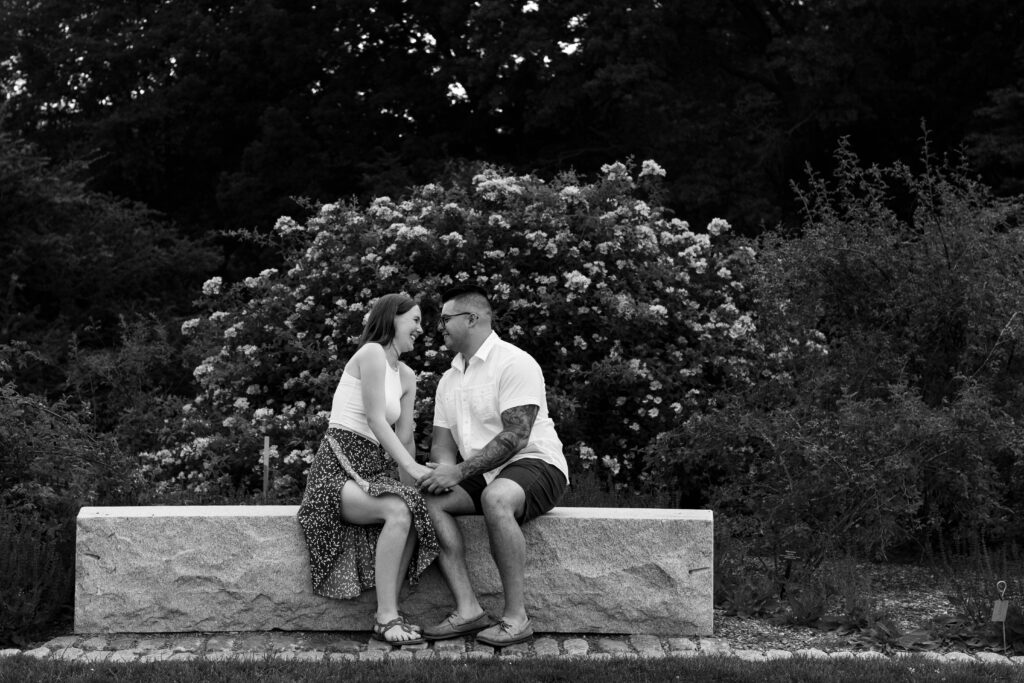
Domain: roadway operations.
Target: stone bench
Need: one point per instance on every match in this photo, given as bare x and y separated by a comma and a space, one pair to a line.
245, 568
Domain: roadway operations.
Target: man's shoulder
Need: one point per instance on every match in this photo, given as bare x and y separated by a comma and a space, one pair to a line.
507, 349
508, 356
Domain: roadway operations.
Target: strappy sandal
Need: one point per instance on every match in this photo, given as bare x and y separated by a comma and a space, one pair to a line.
380, 632
405, 618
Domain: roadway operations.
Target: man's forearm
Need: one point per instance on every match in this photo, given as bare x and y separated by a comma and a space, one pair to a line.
496, 453
517, 423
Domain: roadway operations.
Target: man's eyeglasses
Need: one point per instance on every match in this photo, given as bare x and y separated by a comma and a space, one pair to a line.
445, 318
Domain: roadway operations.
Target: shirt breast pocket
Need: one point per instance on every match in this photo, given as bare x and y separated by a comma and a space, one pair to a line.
483, 402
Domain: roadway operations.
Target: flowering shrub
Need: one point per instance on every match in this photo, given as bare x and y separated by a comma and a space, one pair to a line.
633, 316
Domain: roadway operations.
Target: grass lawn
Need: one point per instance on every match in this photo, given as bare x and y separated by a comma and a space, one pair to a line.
23, 669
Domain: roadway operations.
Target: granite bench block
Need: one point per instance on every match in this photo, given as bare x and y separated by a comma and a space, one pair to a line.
245, 568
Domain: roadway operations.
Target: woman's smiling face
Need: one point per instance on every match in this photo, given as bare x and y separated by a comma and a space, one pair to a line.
407, 329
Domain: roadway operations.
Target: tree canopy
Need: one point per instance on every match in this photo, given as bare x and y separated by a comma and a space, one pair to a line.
218, 113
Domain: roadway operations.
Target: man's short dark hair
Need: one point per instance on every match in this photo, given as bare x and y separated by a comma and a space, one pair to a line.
463, 289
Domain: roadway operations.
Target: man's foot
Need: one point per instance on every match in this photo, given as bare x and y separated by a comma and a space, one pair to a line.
504, 633
397, 632
454, 626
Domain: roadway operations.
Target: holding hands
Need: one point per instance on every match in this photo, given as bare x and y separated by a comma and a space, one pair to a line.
415, 471
440, 478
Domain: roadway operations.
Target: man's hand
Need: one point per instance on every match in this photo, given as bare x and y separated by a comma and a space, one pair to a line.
441, 480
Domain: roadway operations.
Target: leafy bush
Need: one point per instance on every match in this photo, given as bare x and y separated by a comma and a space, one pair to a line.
888, 392
73, 258
634, 317
51, 463
81, 269
905, 277
133, 387
37, 563
863, 478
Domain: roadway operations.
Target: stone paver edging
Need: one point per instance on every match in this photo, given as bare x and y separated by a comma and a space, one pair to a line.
323, 646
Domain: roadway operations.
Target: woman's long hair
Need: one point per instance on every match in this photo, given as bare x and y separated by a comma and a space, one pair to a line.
380, 324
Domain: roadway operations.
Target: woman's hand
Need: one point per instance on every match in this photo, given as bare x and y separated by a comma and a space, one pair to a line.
415, 471
441, 478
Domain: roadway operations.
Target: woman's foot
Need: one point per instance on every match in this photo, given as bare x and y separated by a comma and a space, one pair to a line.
397, 632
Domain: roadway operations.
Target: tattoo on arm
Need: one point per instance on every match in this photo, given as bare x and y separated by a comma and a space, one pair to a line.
515, 434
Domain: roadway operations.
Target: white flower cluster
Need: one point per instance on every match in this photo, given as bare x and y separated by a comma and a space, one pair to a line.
651, 168
577, 281
616, 172
286, 225
493, 186
212, 286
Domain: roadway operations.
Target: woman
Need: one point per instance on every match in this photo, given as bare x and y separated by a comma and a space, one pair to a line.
361, 525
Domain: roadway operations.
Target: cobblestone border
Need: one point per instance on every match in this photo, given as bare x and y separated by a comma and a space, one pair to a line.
320, 647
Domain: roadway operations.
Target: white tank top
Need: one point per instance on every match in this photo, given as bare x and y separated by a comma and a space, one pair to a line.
347, 409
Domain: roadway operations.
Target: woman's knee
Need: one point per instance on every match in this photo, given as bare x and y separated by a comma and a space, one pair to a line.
396, 512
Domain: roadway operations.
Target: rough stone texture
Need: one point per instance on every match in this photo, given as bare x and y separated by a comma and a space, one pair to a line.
677, 644
545, 647
123, 656
67, 641
957, 657
992, 658
613, 645
714, 646
576, 647
68, 653
244, 568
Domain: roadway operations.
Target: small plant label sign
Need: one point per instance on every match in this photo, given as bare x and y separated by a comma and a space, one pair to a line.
1000, 606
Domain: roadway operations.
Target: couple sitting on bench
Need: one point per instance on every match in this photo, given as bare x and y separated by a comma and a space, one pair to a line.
364, 529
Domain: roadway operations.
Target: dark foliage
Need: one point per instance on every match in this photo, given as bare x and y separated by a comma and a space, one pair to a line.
218, 113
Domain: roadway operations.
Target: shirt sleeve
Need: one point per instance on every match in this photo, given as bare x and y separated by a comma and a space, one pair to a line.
521, 383
440, 415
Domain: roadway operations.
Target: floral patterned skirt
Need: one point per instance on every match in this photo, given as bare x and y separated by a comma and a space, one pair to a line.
341, 555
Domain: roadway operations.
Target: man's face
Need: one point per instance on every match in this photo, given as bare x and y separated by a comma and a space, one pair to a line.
454, 325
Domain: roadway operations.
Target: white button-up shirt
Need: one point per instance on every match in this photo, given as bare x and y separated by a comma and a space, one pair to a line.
470, 399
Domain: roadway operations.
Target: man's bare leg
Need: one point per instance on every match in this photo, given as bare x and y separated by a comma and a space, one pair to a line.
452, 558
502, 501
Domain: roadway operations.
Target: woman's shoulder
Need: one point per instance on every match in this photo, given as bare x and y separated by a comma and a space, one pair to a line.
370, 350
370, 354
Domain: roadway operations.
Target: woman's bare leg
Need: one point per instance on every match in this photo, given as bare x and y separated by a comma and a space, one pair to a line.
393, 545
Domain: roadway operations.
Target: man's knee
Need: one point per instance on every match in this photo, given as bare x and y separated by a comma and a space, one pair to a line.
502, 497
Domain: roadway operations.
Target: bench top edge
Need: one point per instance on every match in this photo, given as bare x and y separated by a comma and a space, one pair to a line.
291, 510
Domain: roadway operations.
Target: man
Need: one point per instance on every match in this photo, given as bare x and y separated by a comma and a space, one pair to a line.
491, 408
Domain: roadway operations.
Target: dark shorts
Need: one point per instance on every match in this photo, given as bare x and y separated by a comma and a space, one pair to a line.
543, 483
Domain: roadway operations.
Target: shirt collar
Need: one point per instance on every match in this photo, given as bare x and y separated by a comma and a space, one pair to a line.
481, 353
